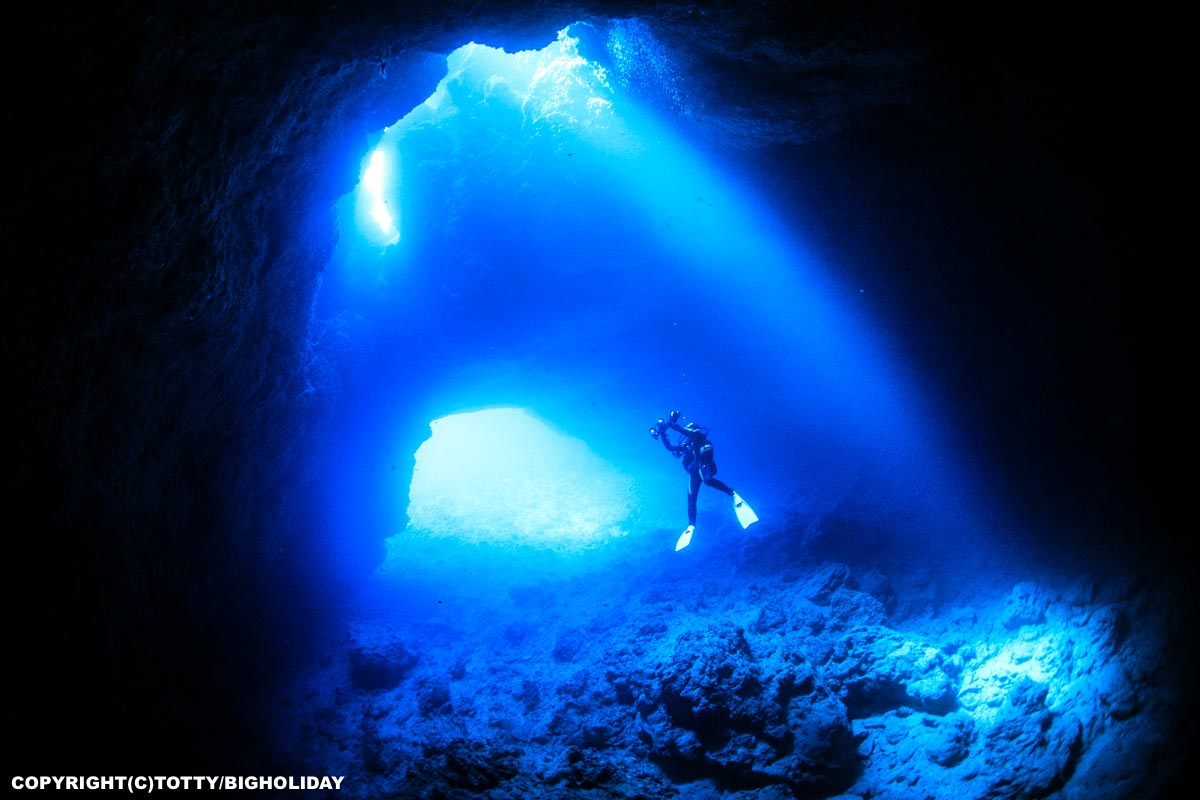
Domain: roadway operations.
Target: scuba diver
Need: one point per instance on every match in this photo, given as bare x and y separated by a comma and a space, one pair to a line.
697, 453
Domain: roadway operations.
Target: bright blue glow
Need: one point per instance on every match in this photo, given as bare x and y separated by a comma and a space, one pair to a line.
548, 214
555, 89
989, 680
503, 477
550, 91
374, 201
373, 181
557, 234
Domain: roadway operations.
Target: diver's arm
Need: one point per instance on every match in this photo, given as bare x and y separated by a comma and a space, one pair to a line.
674, 450
684, 431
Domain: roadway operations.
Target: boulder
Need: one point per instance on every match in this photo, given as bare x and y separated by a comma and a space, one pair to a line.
1026, 604
378, 659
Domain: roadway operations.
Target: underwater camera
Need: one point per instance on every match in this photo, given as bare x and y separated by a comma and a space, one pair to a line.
661, 425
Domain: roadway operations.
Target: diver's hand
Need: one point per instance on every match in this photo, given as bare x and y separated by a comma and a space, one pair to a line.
674, 415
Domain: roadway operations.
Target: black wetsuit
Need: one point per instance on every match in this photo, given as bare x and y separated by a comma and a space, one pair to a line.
697, 454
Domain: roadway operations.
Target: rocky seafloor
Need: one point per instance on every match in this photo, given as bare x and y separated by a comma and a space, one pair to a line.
750, 667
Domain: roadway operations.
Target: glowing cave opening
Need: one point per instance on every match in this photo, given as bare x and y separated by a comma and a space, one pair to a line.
543, 211
552, 90
374, 179
502, 476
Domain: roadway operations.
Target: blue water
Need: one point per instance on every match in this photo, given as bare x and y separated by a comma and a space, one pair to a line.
556, 248
558, 268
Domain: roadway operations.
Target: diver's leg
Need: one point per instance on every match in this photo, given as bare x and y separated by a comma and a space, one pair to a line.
716, 483
693, 491
720, 486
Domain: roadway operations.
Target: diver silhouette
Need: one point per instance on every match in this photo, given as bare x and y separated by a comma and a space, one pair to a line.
696, 451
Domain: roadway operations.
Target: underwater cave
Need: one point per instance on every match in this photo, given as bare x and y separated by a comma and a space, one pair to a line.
343, 335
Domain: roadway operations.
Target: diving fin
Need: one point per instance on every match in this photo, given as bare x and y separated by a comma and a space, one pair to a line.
745, 514
685, 538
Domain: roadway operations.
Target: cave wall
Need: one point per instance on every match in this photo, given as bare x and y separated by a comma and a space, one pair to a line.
167, 226
171, 222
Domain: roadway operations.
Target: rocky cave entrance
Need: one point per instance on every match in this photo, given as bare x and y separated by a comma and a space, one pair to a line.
502, 477
553, 245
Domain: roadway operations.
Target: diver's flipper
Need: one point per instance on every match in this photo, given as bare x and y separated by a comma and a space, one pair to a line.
685, 538
745, 513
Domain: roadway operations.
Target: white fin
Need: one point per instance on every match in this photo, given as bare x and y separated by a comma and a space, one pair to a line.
685, 538
745, 514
